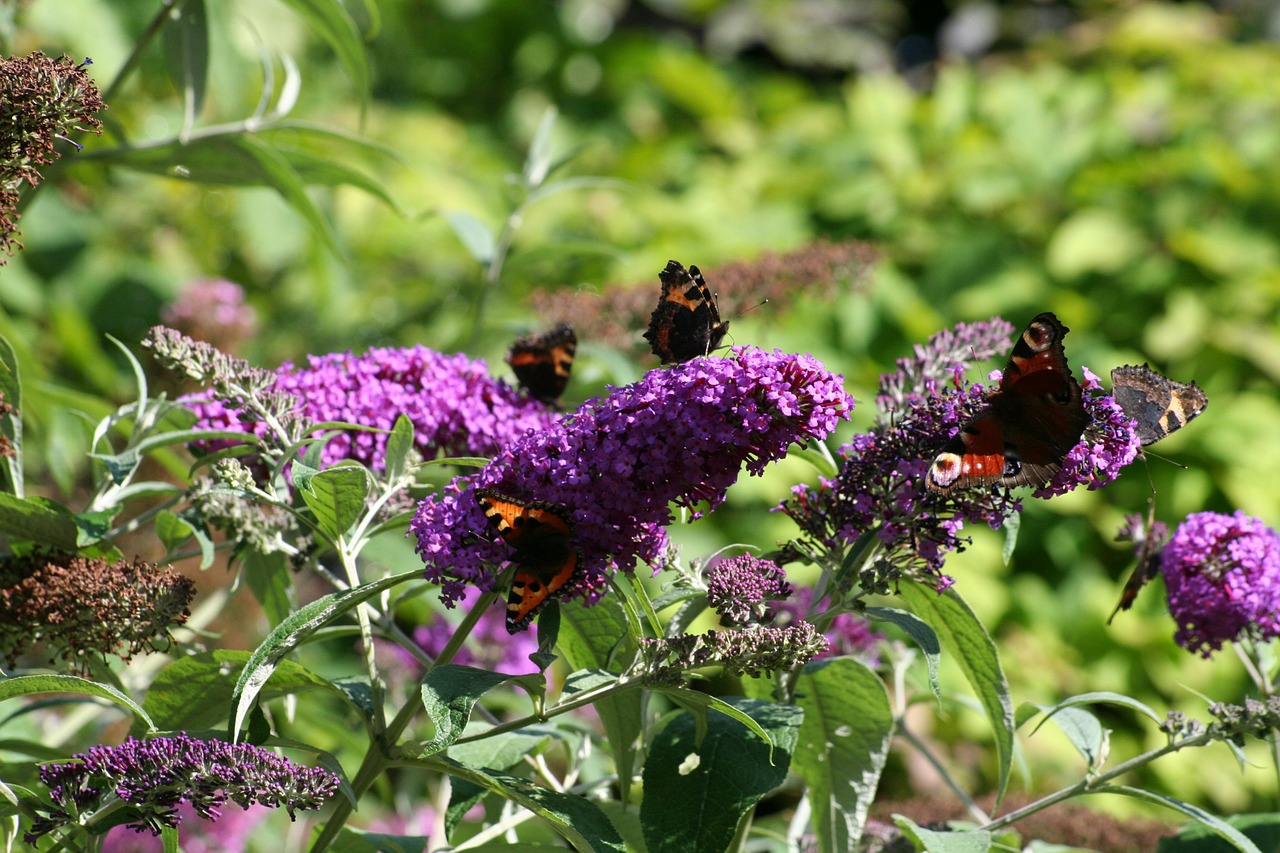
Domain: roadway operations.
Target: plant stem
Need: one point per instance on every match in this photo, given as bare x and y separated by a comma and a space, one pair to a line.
974, 810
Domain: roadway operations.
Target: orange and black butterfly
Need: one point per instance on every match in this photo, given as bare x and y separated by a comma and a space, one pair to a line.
1158, 404
546, 560
686, 323
542, 363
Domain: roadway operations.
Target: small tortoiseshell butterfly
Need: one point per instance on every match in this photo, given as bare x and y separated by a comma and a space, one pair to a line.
545, 559
1159, 404
1034, 419
542, 363
1151, 542
686, 323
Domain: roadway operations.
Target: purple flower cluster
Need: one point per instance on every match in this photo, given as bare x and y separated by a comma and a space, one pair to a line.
740, 589
680, 434
155, 776
456, 407
880, 493
1222, 573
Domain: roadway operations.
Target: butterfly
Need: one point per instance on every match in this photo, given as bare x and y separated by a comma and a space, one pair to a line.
1033, 419
1158, 404
1151, 539
542, 536
542, 363
686, 323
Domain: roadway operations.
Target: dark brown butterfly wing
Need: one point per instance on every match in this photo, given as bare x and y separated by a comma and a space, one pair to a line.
686, 324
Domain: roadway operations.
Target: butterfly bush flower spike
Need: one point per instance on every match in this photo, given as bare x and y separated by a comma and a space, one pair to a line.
1222, 573
740, 589
456, 407
155, 776
613, 467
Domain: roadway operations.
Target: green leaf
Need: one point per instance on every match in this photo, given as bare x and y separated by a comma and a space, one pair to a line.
335, 26
1083, 730
30, 685
270, 580
698, 703
622, 717
1263, 829
538, 163
38, 522
290, 633
337, 496
503, 750
1012, 524
695, 794
967, 640
476, 236
399, 443
933, 841
186, 52
173, 530
194, 692
449, 693
11, 423
917, 629
844, 742
577, 819
1217, 825
1105, 697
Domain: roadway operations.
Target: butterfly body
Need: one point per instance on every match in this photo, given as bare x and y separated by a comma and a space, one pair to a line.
542, 363
686, 324
1032, 421
1158, 404
541, 535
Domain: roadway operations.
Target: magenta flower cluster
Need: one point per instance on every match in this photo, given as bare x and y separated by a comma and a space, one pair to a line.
680, 434
155, 776
847, 634
456, 407
1222, 573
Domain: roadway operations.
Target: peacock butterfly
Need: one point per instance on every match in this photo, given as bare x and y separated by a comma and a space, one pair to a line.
1032, 420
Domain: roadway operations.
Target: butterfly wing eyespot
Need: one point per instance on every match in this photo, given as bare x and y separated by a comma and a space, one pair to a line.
542, 363
1159, 405
1031, 423
541, 536
686, 324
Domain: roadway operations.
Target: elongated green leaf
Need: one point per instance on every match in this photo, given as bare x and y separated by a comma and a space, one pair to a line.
399, 443
337, 496
195, 692
698, 703
968, 641
476, 236
270, 580
1104, 697
293, 631
695, 794
11, 422
933, 841
503, 750
578, 820
844, 742
538, 163
1011, 526
1263, 829
173, 530
621, 715
186, 52
449, 693
30, 685
35, 521
1217, 825
331, 21
1083, 730
917, 629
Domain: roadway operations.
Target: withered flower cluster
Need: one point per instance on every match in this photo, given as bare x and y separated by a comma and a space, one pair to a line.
79, 606
42, 100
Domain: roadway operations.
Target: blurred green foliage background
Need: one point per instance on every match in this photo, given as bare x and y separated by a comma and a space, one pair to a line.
1117, 163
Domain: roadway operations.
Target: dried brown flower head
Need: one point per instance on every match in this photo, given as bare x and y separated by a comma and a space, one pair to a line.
80, 606
820, 269
42, 100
